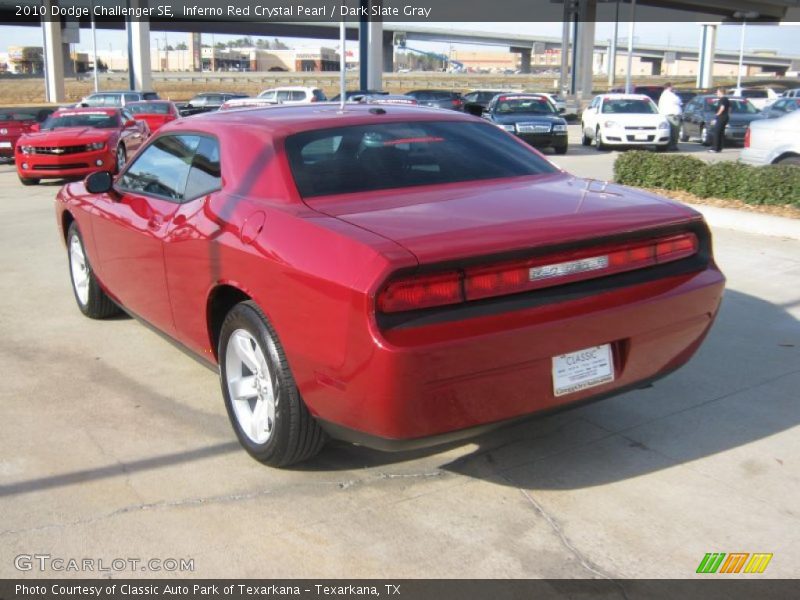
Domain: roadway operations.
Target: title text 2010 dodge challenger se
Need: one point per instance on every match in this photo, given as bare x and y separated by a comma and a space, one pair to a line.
392, 276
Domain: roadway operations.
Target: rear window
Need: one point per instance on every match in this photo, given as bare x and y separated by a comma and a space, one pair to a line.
399, 155
754, 94
154, 108
629, 106
150, 96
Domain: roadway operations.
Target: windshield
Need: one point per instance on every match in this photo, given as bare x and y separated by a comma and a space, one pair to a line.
538, 105
100, 120
151, 108
629, 106
742, 107
400, 155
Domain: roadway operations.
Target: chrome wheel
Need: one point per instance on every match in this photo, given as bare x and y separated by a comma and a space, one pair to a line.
80, 270
252, 388
120, 158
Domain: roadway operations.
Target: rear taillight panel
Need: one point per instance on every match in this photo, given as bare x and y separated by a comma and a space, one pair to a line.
525, 275
747, 138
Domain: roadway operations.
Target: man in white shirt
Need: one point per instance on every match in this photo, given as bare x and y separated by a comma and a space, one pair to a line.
670, 105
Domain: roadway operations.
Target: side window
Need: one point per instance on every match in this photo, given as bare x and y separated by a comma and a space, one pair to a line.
112, 100
161, 170
199, 101
214, 99
283, 96
205, 175
299, 96
95, 100
126, 116
131, 98
269, 97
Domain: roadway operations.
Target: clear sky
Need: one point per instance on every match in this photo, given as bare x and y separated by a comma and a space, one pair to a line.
784, 39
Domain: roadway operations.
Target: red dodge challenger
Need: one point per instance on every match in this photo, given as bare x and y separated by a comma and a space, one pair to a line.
154, 112
393, 276
77, 141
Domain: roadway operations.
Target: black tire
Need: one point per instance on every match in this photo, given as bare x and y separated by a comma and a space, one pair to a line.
585, 139
682, 135
598, 141
789, 160
296, 436
705, 137
662, 148
561, 149
28, 181
121, 158
97, 305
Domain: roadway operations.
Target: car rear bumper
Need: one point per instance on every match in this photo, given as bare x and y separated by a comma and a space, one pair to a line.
7, 146
423, 385
44, 166
753, 156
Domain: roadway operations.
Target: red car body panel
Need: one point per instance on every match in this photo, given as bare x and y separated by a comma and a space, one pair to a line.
154, 120
60, 154
315, 268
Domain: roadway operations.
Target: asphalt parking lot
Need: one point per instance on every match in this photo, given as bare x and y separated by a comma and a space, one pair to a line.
116, 445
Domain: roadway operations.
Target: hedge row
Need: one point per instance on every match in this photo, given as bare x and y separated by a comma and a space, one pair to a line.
771, 184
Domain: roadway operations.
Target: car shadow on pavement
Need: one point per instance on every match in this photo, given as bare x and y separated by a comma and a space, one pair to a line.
739, 388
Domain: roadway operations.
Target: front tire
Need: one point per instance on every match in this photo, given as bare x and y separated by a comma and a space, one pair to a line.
585, 139
561, 149
121, 158
598, 141
92, 301
682, 135
28, 181
261, 397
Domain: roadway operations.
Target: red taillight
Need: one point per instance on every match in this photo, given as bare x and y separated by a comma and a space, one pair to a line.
747, 138
421, 292
531, 274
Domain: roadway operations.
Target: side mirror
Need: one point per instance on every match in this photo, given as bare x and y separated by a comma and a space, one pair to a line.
99, 182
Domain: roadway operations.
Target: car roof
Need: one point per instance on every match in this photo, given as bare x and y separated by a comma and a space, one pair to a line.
123, 92
290, 88
621, 96
293, 118
89, 109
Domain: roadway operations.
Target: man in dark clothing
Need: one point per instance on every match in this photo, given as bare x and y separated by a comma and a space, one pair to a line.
721, 120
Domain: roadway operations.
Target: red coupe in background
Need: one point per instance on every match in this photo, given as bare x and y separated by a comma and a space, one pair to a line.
389, 275
16, 121
74, 142
154, 112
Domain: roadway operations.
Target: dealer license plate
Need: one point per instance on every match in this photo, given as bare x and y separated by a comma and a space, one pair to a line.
576, 371
5, 144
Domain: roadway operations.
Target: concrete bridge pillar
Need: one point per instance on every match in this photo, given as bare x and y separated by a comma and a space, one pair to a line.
705, 58
139, 52
53, 57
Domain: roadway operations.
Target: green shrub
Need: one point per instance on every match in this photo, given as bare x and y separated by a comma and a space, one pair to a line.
771, 184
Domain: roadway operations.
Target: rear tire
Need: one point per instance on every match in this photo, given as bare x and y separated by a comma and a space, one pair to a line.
28, 181
705, 137
92, 301
261, 397
789, 160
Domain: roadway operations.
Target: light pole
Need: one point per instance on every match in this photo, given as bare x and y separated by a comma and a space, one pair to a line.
743, 16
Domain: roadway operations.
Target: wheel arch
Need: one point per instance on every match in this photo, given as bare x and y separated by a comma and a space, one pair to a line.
784, 155
221, 299
67, 219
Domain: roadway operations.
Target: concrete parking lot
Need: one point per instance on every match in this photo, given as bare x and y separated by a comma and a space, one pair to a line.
116, 445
